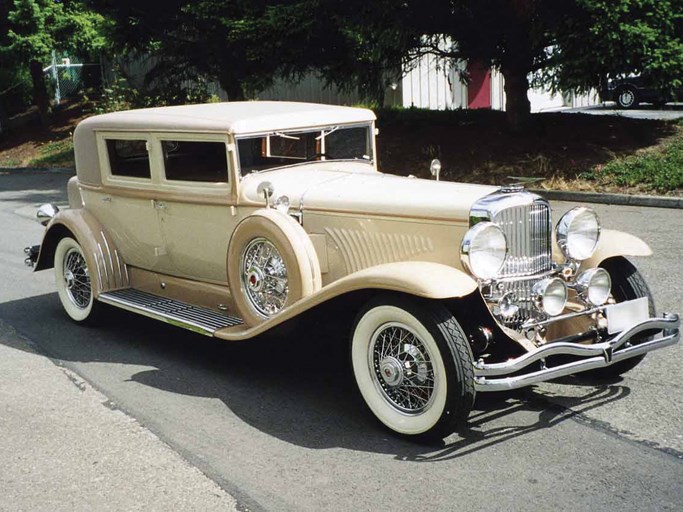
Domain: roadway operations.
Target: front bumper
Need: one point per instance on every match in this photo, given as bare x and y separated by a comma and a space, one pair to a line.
513, 374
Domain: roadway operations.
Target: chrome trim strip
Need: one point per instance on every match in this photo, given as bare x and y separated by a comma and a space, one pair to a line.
104, 265
111, 261
99, 273
599, 355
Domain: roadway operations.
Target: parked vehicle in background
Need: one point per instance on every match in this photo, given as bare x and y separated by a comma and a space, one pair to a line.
630, 92
230, 219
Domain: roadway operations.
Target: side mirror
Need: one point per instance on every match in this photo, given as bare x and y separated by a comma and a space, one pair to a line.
266, 189
435, 168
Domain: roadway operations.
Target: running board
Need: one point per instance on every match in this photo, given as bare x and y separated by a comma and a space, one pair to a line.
194, 318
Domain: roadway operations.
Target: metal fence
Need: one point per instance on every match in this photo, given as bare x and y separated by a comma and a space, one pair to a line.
68, 77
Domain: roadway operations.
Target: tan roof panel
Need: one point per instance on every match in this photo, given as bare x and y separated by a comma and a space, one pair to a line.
238, 117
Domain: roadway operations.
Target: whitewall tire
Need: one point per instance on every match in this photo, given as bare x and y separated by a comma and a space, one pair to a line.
413, 366
72, 278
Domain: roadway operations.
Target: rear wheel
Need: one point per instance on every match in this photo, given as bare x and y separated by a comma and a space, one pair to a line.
72, 278
627, 284
413, 366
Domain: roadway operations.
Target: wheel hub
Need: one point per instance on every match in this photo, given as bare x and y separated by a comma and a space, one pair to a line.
255, 279
391, 371
69, 279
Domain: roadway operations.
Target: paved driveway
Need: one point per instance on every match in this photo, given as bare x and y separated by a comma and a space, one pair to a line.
669, 112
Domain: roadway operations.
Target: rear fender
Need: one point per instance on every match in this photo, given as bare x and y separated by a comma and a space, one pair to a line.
107, 268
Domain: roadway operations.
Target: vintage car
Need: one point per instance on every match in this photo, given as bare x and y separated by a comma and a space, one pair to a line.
230, 219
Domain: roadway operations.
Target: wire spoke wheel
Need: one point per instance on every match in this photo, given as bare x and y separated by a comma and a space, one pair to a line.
77, 278
413, 366
72, 278
402, 368
264, 277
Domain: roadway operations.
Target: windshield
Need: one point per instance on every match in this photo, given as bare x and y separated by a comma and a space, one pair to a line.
277, 149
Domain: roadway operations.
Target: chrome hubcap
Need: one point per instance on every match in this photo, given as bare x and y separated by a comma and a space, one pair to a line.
264, 277
402, 368
626, 98
77, 279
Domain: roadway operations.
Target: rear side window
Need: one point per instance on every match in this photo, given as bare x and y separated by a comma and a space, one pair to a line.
128, 158
195, 161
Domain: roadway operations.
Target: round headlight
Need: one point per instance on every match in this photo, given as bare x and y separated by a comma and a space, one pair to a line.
594, 285
550, 295
483, 250
578, 233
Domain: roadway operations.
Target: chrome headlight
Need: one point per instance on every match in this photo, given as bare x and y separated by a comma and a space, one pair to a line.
594, 285
578, 232
550, 295
483, 250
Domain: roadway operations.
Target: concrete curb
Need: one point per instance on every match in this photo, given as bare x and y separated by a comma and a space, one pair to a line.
42, 170
607, 198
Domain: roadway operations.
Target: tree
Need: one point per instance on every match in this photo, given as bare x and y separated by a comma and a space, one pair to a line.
245, 44
32, 29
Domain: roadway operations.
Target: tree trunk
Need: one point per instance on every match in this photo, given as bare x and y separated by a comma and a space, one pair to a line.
41, 99
517, 104
233, 87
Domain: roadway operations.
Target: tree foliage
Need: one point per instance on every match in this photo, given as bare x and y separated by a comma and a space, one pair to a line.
31, 29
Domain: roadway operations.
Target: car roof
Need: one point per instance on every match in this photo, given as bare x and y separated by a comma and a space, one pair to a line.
236, 117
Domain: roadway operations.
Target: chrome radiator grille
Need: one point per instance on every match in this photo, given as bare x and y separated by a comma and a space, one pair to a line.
528, 232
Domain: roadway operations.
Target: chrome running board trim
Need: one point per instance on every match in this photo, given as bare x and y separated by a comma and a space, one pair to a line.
597, 355
181, 314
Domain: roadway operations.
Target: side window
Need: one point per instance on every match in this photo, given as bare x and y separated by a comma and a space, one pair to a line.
195, 161
128, 158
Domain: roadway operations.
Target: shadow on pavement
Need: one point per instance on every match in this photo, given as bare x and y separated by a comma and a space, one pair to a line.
301, 392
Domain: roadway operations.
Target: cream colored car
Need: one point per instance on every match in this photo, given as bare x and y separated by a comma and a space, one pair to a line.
229, 219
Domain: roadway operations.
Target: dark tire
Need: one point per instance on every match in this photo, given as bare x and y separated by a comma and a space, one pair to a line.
627, 97
413, 366
627, 284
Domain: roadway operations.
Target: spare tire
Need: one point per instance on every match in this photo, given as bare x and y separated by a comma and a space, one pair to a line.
271, 265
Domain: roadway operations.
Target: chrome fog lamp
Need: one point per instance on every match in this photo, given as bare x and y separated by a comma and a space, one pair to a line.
550, 295
594, 285
46, 212
483, 250
578, 232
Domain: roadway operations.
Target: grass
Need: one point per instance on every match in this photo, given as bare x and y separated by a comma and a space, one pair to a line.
55, 154
657, 169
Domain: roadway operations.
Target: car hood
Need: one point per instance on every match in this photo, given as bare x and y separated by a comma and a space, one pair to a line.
357, 188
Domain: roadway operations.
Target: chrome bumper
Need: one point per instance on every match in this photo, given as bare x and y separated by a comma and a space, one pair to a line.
496, 376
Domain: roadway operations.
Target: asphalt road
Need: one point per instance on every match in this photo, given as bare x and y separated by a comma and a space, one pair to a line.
277, 423
669, 112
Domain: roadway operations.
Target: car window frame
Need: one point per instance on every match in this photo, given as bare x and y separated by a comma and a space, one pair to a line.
132, 182
221, 189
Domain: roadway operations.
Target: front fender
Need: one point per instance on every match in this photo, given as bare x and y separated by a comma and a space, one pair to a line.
420, 278
616, 243
107, 269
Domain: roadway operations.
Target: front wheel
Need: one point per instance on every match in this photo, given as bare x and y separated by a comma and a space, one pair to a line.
627, 284
413, 366
72, 278
627, 97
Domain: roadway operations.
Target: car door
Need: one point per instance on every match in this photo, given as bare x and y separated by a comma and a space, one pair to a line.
196, 213
125, 205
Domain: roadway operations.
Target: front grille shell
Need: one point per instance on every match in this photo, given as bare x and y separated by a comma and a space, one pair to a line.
525, 219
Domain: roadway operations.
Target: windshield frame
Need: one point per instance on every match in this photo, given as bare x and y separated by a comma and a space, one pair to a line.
329, 128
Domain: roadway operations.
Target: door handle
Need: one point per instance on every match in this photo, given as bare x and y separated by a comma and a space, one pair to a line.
159, 205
